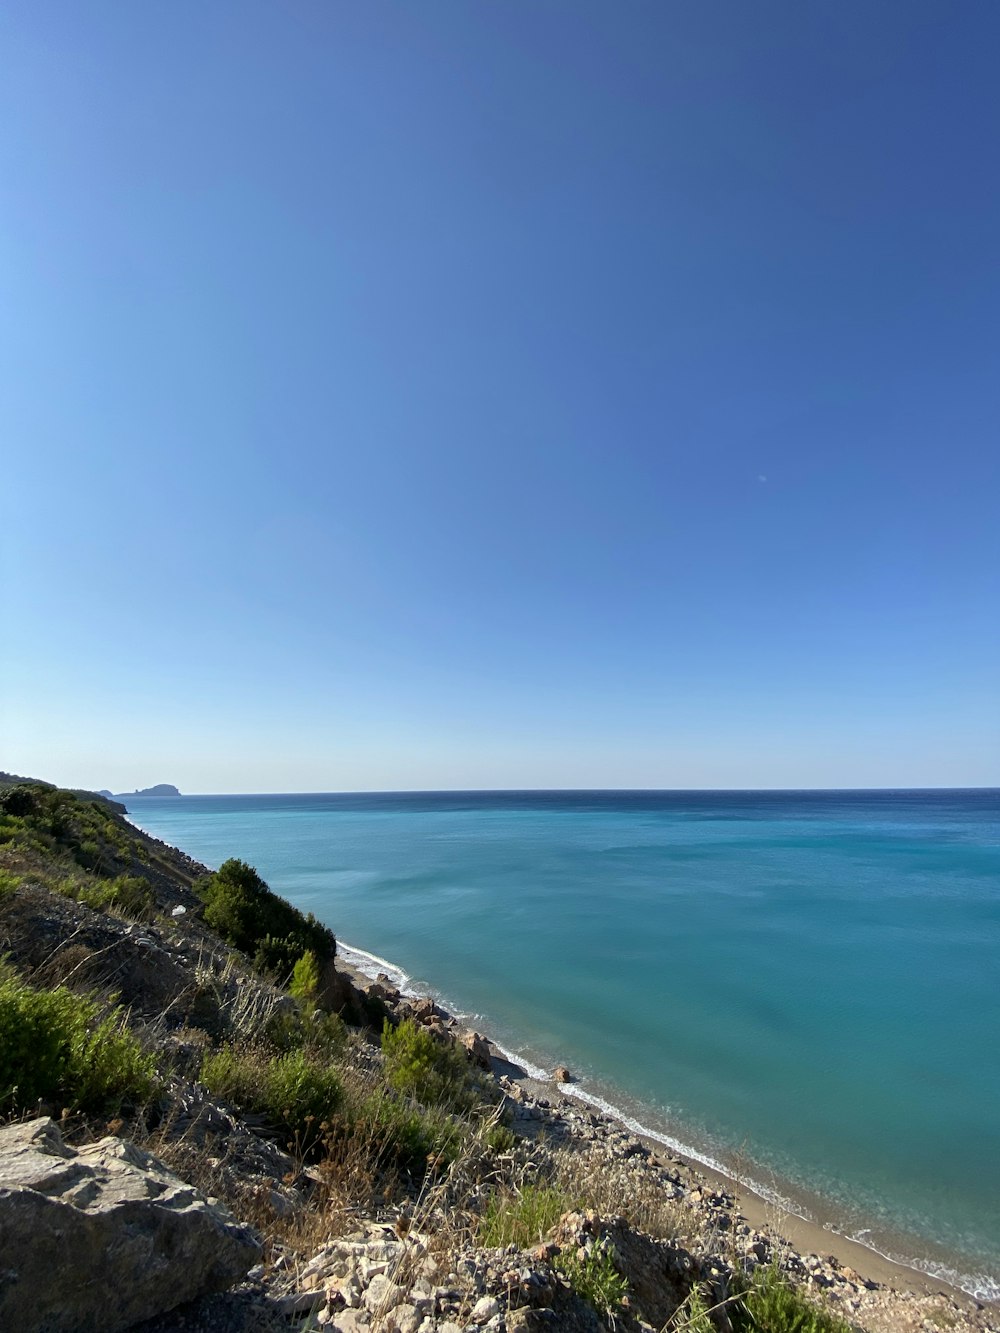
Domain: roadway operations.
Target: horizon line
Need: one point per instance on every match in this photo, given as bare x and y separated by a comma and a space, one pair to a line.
548, 791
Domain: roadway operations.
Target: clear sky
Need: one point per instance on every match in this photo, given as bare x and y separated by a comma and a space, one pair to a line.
500, 393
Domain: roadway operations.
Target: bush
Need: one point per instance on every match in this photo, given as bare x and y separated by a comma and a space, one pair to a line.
248, 915
8, 883
770, 1303
295, 1091
434, 1072
410, 1137
500, 1139
54, 1046
37, 817
126, 894
594, 1277
320, 1034
21, 800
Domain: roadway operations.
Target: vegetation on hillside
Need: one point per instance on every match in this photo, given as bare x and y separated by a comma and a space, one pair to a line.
248, 915
68, 830
65, 1049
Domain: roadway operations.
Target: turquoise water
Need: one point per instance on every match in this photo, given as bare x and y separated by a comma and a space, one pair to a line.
806, 980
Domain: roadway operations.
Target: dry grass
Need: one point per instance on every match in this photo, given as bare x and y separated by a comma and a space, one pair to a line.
612, 1189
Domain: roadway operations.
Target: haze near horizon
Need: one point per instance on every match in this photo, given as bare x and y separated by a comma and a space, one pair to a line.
479, 396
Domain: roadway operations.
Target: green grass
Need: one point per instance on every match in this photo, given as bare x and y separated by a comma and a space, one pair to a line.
522, 1219
294, 1090
62, 1048
770, 1303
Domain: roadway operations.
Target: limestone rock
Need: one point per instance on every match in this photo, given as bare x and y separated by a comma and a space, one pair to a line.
484, 1310
477, 1047
127, 1238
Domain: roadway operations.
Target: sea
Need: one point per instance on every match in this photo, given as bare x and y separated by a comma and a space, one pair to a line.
799, 988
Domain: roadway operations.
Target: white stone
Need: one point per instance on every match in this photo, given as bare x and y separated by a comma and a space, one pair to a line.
382, 1294
484, 1310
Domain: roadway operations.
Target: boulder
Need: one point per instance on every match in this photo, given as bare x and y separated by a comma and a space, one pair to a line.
478, 1048
95, 1239
424, 1010
562, 1075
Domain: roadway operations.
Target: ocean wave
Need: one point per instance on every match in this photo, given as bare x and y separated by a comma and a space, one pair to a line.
371, 964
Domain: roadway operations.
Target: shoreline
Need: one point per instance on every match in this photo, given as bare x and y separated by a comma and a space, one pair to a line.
773, 1215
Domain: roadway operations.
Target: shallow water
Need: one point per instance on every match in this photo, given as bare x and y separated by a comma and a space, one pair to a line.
808, 980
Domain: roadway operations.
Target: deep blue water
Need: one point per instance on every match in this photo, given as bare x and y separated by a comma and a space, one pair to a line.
811, 979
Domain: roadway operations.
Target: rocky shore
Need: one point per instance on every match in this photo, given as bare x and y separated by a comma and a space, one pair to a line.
192, 1210
877, 1295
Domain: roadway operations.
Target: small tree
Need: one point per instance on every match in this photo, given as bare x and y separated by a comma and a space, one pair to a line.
305, 977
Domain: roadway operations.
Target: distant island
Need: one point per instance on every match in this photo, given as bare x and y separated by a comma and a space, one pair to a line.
161, 790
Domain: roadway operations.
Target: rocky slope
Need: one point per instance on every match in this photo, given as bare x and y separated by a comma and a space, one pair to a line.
434, 1189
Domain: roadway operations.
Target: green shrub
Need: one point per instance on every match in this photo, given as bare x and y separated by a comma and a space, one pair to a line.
8, 883
434, 1072
594, 1277
88, 854
9, 827
302, 1088
320, 1034
21, 800
770, 1303
55, 1046
245, 912
305, 977
410, 1137
522, 1219
276, 957
40, 818
294, 1090
500, 1139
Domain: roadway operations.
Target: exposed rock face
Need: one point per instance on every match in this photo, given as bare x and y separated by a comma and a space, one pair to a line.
126, 1238
478, 1048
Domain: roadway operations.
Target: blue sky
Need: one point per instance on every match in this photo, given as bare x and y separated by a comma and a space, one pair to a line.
500, 394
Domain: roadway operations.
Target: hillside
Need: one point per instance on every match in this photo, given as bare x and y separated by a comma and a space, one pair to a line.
299, 1147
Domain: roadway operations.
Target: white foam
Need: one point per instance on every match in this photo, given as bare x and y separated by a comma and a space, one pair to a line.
370, 964
532, 1070
677, 1145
